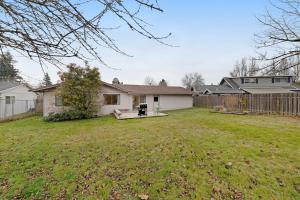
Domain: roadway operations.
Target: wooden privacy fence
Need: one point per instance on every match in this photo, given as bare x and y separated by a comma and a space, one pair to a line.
284, 104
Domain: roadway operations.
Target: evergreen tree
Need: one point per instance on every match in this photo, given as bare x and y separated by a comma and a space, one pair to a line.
7, 68
163, 82
46, 80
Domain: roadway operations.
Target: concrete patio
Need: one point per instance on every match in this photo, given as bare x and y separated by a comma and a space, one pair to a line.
134, 115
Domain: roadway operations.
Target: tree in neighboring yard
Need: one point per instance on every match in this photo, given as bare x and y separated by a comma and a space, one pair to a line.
46, 80
245, 67
280, 37
193, 81
50, 30
80, 89
149, 81
116, 81
7, 68
163, 82
283, 67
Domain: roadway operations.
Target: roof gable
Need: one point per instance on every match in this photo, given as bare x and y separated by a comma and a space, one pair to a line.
4, 85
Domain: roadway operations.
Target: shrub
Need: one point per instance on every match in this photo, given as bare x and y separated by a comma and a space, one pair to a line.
79, 89
67, 115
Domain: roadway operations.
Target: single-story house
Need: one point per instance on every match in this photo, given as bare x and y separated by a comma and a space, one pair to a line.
125, 97
15, 98
251, 85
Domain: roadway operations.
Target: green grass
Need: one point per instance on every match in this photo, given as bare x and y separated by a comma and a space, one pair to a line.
181, 156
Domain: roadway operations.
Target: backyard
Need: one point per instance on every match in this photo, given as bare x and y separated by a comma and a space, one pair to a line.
190, 154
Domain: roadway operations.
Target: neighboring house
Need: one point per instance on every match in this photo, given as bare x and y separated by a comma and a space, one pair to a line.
217, 89
252, 85
15, 98
125, 97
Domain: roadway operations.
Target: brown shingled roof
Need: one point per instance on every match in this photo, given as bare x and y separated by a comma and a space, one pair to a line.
137, 89
149, 89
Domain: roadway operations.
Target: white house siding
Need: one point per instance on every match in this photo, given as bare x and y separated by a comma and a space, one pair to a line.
166, 102
49, 103
172, 102
125, 101
24, 101
150, 102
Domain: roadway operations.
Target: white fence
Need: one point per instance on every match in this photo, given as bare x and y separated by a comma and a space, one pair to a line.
16, 107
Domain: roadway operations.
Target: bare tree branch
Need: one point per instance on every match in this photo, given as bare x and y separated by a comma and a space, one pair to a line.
50, 30
281, 37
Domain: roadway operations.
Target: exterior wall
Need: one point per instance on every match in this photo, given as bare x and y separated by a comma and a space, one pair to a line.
150, 102
125, 101
24, 101
172, 102
49, 103
166, 102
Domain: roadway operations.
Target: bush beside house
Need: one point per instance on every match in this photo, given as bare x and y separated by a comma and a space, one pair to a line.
78, 91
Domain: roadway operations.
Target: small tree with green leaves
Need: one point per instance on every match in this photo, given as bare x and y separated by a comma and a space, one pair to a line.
80, 89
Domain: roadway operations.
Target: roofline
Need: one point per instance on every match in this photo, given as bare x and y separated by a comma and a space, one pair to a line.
42, 89
21, 84
10, 88
115, 86
267, 76
224, 78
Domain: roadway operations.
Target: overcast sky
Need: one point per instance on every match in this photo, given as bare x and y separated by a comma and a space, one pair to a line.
211, 35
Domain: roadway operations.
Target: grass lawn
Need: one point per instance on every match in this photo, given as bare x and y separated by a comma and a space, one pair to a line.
182, 156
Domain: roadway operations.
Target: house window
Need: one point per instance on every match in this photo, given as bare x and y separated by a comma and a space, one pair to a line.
10, 99
142, 99
137, 100
250, 80
58, 101
155, 99
111, 99
281, 80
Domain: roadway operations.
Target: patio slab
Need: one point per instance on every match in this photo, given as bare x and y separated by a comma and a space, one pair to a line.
134, 115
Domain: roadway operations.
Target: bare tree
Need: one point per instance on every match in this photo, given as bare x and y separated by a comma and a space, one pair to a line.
296, 67
149, 81
245, 67
284, 68
281, 35
51, 30
193, 81
253, 67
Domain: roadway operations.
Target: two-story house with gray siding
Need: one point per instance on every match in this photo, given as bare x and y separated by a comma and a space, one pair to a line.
252, 85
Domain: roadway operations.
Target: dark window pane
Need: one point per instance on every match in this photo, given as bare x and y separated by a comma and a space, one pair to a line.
10, 100
281, 80
7, 100
155, 99
111, 99
58, 101
250, 80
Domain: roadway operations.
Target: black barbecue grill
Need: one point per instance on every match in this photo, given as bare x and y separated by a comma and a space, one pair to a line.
142, 109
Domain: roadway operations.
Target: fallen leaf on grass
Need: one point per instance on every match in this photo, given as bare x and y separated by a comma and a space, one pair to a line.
144, 197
